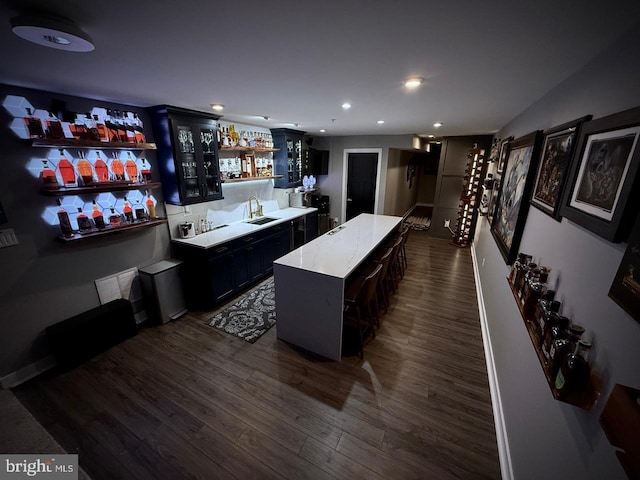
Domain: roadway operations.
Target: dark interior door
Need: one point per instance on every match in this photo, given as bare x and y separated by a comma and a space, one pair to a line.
361, 183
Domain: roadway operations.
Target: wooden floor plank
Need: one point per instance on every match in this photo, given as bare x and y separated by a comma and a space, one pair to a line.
184, 400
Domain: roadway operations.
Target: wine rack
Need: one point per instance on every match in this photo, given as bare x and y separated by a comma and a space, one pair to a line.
469, 198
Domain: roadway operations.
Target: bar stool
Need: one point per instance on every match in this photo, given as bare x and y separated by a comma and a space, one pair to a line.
385, 283
361, 306
404, 235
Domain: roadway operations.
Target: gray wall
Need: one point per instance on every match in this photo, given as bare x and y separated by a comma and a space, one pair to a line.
547, 438
399, 198
44, 281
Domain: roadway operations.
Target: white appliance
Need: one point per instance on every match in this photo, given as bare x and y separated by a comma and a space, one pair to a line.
187, 230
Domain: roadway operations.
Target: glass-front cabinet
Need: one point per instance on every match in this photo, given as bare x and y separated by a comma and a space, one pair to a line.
187, 154
288, 160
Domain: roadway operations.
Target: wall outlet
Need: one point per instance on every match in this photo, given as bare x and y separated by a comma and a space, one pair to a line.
447, 222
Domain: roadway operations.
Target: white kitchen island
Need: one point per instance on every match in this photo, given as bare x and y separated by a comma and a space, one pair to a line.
310, 282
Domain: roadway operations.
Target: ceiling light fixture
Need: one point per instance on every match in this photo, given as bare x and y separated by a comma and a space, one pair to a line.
413, 82
52, 32
218, 107
346, 106
437, 124
323, 130
380, 122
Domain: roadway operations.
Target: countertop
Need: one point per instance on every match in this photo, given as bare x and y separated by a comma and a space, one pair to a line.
339, 251
241, 228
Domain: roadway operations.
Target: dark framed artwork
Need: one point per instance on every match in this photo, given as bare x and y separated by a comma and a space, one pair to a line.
625, 288
603, 190
512, 204
558, 148
504, 153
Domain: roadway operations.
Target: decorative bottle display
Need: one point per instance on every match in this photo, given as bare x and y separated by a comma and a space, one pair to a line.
519, 269
48, 177
115, 220
127, 211
117, 168
137, 127
145, 171
112, 127
141, 213
562, 346
34, 125
572, 379
98, 218
91, 132
534, 289
546, 306
84, 224
131, 168
102, 171
67, 172
103, 131
151, 207
554, 319
84, 169
54, 127
63, 218
523, 279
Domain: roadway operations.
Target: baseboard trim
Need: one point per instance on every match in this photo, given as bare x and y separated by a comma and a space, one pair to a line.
27, 372
504, 454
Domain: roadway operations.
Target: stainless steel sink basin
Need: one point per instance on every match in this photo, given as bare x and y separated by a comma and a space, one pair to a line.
262, 220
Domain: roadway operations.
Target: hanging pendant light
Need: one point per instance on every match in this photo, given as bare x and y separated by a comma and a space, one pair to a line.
52, 32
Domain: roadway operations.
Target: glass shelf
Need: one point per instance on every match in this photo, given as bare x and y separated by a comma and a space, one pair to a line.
73, 143
247, 149
111, 230
99, 188
249, 179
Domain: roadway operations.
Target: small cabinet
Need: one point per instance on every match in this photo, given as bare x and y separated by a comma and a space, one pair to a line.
187, 154
311, 227
287, 161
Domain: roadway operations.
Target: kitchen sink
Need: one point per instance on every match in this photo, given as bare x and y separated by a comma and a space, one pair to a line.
262, 220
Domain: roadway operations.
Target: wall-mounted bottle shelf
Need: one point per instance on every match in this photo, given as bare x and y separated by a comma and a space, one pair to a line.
73, 143
77, 236
585, 400
99, 188
248, 149
248, 179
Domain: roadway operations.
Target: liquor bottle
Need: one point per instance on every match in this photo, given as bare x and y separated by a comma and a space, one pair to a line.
127, 120
128, 211
145, 171
102, 171
572, 379
92, 128
137, 127
97, 217
115, 219
54, 127
112, 127
554, 319
524, 279
122, 129
519, 267
78, 129
555, 334
141, 213
131, 168
84, 224
219, 134
103, 131
151, 207
562, 346
67, 172
84, 169
48, 177
534, 289
34, 125
63, 218
545, 306
117, 168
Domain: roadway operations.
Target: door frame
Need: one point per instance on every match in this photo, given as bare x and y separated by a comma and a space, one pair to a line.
345, 177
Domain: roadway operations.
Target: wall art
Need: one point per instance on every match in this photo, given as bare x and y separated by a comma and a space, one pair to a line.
625, 289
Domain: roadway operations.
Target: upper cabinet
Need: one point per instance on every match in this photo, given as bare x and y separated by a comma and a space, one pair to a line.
288, 160
187, 154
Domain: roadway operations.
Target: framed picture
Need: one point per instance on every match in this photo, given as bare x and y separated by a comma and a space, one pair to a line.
512, 204
625, 289
558, 147
603, 189
504, 153
492, 199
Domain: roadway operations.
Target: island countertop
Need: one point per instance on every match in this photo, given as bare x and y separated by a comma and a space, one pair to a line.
231, 231
338, 252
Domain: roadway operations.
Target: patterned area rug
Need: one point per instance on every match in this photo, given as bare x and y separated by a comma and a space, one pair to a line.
251, 316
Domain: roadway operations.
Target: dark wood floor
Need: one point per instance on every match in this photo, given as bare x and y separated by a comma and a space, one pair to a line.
186, 401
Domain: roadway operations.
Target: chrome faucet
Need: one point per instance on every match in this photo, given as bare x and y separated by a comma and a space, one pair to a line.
258, 210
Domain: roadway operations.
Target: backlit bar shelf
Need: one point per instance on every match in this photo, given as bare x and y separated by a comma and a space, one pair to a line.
111, 230
99, 188
74, 143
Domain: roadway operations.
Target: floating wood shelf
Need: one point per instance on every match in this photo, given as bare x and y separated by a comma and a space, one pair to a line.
248, 149
585, 401
73, 143
99, 188
248, 179
112, 230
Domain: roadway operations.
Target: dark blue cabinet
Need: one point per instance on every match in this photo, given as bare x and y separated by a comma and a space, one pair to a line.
287, 161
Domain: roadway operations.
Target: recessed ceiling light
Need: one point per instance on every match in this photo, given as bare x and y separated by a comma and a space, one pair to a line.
323, 130
437, 124
52, 32
346, 106
380, 122
217, 107
432, 136
413, 82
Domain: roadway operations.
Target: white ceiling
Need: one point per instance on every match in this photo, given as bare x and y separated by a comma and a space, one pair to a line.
297, 61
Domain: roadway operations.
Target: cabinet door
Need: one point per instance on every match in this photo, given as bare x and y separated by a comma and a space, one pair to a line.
311, 227
288, 160
221, 276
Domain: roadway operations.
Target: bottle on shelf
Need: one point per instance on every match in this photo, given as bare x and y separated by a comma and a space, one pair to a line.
553, 320
572, 379
84, 169
519, 267
103, 131
127, 211
546, 305
562, 346
91, 128
63, 218
54, 127
131, 168
34, 125
117, 168
102, 171
67, 172
97, 217
48, 177
151, 206
137, 127
141, 213
534, 289
112, 126
78, 129
84, 224
122, 129
127, 120
531, 271
115, 219
145, 172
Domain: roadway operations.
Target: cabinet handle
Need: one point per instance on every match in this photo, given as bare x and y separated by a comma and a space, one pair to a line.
221, 249
248, 239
